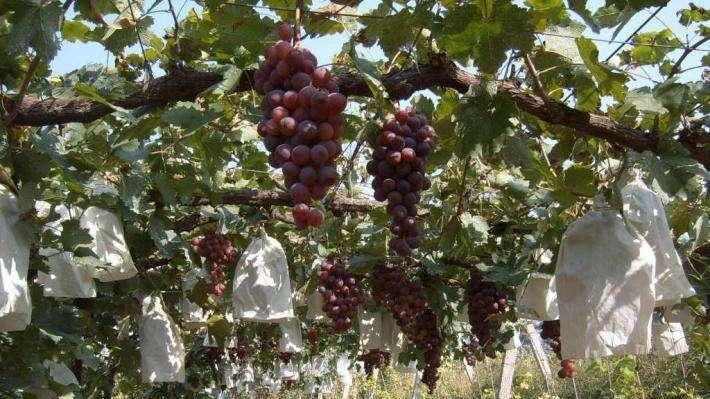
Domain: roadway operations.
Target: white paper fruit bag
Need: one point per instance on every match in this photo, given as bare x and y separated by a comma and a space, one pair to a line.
161, 347
668, 339
66, 278
15, 303
315, 307
644, 212
109, 244
370, 331
537, 298
193, 316
604, 281
287, 371
262, 288
291, 340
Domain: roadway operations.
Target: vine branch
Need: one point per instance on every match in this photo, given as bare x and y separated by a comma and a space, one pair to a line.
186, 85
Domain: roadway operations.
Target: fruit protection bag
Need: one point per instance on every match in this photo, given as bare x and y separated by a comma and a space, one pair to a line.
394, 342
161, 347
193, 316
537, 298
315, 307
605, 288
262, 287
66, 278
109, 244
15, 303
668, 339
645, 214
371, 333
291, 340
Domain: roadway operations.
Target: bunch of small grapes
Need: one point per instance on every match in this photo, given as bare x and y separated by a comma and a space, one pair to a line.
312, 334
241, 352
303, 123
215, 354
341, 293
218, 250
408, 304
285, 357
484, 301
551, 332
398, 168
374, 359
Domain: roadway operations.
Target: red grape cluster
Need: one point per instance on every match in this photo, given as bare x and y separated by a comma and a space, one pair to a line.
241, 352
374, 359
303, 123
285, 357
218, 250
398, 168
312, 334
408, 304
551, 332
485, 301
341, 293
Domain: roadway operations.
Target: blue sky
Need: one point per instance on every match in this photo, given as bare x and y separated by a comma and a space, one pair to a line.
74, 55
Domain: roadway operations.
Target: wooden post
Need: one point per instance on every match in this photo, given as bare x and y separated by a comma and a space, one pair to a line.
540, 356
506, 379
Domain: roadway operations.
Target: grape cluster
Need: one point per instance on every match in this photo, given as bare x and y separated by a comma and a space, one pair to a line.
374, 359
302, 125
240, 352
285, 357
485, 301
408, 304
218, 250
312, 334
551, 332
398, 168
341, 293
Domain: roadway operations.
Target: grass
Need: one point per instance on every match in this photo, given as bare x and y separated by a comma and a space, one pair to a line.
645, 377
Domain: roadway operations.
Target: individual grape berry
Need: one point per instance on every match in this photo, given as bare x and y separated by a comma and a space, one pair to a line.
285, 32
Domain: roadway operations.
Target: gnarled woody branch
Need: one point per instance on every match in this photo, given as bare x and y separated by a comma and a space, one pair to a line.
440, 72
265, 198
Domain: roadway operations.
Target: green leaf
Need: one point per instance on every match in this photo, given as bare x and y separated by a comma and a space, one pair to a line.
73, 236
580, 181
547, 12
188, 116
36, 25
373, 80
468, 35
561, 40
643, 100
230, 79
651, 47
75, 31
218, 328
608, 81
